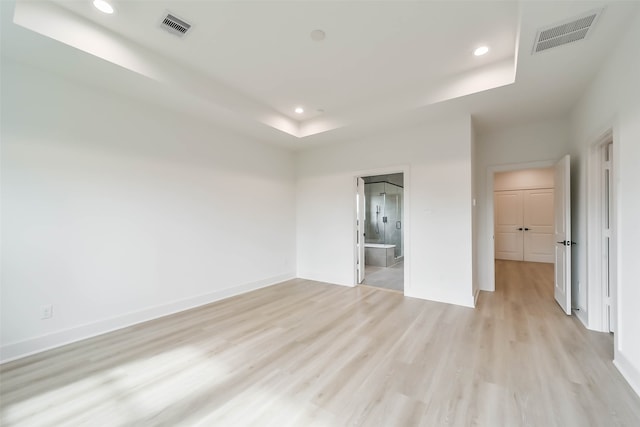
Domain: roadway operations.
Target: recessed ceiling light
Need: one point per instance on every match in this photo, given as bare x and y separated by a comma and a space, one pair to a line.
103, 6
481, 51
318, 35
299, 110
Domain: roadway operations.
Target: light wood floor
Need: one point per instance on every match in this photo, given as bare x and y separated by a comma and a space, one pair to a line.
303, 353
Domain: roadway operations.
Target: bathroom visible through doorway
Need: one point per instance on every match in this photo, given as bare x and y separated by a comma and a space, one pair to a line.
382, 227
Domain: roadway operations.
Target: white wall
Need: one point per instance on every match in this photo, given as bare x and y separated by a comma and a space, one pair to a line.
116, 212
525, 179
613, 102
521, 146
436, 159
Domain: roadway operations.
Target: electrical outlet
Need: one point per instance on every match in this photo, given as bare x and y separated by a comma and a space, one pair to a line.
46, 312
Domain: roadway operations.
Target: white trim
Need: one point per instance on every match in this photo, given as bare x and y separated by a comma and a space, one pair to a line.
406, 231
332, 279
18, 350
490, 279
594, 238
580, 314
445, 296
628, 371
595, 288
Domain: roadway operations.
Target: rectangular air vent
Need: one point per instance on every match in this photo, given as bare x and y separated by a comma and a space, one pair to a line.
566, 32
175, 25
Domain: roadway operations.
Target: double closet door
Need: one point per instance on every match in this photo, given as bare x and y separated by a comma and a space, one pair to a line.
523, 221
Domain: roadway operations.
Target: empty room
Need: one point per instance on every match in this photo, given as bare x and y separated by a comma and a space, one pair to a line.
319, 213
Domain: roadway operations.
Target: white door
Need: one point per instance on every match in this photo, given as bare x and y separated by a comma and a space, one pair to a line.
360, 227
538, 225
562, 204
508, 225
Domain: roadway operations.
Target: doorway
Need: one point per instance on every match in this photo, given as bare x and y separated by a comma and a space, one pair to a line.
380, 225
523, 218
561, 280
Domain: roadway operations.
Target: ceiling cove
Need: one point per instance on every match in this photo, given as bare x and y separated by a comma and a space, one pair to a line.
303, 68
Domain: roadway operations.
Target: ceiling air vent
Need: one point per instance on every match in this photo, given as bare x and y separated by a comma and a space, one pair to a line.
175, 25
566, 32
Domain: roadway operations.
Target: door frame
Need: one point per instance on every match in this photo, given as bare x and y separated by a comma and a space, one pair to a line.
360, 232
596, 287
490, 248
406, 226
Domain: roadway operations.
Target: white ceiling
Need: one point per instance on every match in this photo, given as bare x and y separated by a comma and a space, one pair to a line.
247, 65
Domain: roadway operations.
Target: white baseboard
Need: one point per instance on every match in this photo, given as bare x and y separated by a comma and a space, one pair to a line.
582, 316
42, 343
332, 280
487, 286
628, 371
447, 297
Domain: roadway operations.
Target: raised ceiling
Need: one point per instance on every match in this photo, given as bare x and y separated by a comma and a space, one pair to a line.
252, 63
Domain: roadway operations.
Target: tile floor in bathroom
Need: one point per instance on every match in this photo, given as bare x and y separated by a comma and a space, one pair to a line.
385, 277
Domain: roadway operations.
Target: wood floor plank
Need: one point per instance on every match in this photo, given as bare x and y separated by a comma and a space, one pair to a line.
304, 353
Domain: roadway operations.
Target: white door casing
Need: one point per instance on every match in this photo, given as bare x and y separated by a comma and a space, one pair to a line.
360, 230
608, 246
508, 225
562, 225
538, 221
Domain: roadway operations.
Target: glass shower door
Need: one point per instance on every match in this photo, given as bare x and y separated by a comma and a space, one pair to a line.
393, 215
384, 214
375, 199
